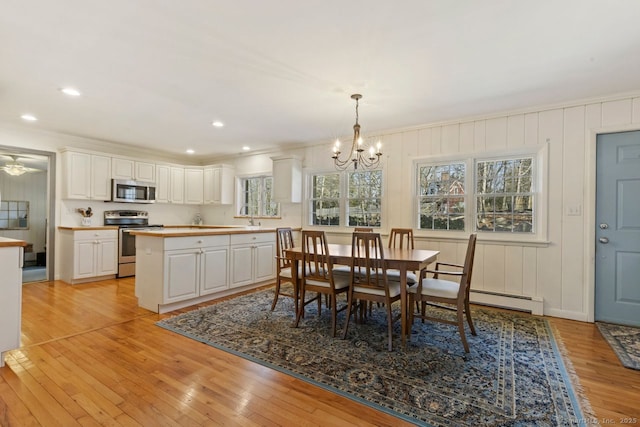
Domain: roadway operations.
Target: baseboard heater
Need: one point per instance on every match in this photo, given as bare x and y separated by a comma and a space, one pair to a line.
533, 305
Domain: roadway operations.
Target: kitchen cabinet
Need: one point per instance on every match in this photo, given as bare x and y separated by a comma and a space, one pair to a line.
287, 179
193, 186
169, 184
181, 269
86, 176
11, 260
218, 184
92, 254
130, 169
252, 258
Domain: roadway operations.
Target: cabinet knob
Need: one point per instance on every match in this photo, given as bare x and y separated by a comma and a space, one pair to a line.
254, 237
199, 241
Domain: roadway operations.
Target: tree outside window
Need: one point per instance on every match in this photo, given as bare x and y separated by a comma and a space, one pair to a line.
441, 199
504, 195
256, 197
358, 192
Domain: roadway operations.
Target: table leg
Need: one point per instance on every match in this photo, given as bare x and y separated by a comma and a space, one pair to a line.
403, 305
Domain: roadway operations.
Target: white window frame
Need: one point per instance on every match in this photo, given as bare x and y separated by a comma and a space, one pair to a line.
240, 204
540, 154
343, 200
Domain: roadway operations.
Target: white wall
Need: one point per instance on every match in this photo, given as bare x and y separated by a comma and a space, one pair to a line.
553, 271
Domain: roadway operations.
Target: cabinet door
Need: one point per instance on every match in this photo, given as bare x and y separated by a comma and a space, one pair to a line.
11, 301
208, 190
145, 172
264, 261
107, 257
181, 274
77, 170
162, 184
122, 168
213, 277
100, 177
193, 179
241, 265
84, 262
176, 183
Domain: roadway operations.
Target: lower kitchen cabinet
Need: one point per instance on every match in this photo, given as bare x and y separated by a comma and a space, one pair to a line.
175, 272
89, 254
252, 258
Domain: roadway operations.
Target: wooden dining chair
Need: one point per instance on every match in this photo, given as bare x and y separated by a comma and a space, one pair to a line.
284, 241
317, 276
401, 238
369, 281
435, 291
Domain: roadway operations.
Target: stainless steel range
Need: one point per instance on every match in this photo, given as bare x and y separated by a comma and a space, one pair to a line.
127, 220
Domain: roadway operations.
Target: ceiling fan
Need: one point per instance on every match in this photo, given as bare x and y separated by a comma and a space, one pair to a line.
15, 168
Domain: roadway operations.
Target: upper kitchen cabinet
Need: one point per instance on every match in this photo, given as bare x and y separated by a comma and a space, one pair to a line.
169, 184
218, 184
287, 179
86, 176
130, 169
193, 186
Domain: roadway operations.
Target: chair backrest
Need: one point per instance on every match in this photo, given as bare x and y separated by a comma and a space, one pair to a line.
315, 252
465, 280
363, 230
367, 254
401, 238
284, 241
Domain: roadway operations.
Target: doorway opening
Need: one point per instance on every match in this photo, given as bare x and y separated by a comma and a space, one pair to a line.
27, 207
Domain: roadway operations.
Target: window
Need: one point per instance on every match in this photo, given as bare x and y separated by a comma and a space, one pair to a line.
346, 198
14, 215
441, 198
256, 197
499, 196
504, 196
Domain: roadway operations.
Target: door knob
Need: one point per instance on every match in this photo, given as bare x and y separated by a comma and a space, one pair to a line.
603, 240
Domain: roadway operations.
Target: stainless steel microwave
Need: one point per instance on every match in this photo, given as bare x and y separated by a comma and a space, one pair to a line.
132, 191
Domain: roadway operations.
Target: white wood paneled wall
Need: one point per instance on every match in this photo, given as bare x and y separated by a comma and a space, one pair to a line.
553, 272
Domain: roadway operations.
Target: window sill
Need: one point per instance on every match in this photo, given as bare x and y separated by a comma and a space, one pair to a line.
484, 238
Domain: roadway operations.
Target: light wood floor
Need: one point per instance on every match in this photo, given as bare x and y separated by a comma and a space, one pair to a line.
90, 356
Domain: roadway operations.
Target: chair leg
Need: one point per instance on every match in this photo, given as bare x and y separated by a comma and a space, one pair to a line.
275, 297
334, 313
300, 312
461, 330
349, 311
469, 321
319, 304
390, 327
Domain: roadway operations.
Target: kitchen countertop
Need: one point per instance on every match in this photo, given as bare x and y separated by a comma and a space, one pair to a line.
6, 242
185, 231
73, 228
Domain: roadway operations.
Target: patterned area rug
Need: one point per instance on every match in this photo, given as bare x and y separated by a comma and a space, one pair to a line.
625, 342
514, 375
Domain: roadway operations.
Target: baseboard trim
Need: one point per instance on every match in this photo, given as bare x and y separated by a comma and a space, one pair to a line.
533, 305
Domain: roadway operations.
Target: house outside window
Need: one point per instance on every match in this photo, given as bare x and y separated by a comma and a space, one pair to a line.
499, 196
346, 199
256, 197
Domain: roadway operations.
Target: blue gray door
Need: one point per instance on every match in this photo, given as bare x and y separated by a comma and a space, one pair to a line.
617, 297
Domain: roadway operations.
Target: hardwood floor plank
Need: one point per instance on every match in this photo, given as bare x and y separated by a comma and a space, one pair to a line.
91, 356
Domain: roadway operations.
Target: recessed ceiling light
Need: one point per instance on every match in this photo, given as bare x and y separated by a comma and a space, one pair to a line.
70, 91
246, 148
217, 124
190, 151
29, 117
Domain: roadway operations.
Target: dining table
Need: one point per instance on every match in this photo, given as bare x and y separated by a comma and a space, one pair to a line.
403, 260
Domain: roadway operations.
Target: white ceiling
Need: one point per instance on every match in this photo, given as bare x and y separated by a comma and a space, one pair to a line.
155, 74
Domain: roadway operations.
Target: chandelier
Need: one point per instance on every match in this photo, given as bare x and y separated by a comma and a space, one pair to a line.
358, 155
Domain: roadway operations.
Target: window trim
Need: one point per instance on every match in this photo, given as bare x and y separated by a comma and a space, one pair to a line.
344, 200
239, 192
540, 153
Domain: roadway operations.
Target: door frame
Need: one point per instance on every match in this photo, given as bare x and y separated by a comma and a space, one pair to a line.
51, 203
590, 212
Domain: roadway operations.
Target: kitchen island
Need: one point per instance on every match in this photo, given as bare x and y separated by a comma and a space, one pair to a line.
182, 266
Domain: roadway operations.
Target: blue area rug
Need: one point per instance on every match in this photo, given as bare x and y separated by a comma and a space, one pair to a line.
515, 374
625, 342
